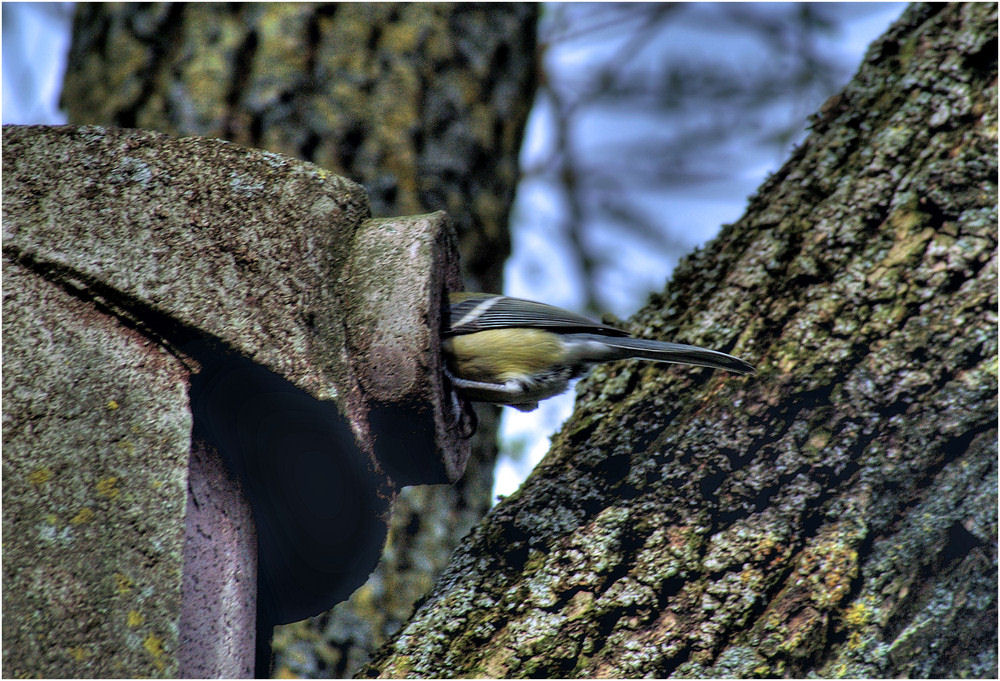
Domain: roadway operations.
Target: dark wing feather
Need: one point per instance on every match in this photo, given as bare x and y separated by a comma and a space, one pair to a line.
662, 351
501, 312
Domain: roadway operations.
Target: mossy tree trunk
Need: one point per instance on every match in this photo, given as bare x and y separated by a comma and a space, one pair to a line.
836, 514
423, 104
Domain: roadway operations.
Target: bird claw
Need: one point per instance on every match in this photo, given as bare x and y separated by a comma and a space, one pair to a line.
467, 420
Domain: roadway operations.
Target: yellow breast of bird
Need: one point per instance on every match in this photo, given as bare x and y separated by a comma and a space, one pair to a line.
500, 355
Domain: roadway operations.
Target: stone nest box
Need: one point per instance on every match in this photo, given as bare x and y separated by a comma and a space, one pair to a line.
218, 372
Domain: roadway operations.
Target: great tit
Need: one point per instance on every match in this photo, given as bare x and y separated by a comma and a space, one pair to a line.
517, 352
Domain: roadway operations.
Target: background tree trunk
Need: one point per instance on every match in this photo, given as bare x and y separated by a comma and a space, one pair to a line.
835, 514
423, 104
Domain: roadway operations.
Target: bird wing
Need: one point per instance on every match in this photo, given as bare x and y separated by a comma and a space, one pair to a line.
479, 312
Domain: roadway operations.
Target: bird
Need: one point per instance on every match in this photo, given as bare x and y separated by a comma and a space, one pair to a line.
517, 352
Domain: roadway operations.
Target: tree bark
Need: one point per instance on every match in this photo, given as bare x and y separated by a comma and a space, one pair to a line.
423, 104
834, 515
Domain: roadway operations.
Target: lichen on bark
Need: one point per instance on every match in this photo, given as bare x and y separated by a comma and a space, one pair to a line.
834, 515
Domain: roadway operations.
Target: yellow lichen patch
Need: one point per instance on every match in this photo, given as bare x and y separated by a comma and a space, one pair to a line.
857, 615
402, 36
40, 476
854, 640
134, 619
844, 569
768, 546
108, 487
787, 362
765, 544
751, 575
154, 646
79, 653
829, 564
123, 583
84, 515
112, 405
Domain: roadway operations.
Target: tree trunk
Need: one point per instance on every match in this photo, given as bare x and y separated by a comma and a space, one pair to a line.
834, 515
423, 104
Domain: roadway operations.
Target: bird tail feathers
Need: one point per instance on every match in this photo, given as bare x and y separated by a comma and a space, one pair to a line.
660, 351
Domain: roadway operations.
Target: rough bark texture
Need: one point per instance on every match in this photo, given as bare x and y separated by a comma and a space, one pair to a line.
834, 515
423, 104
